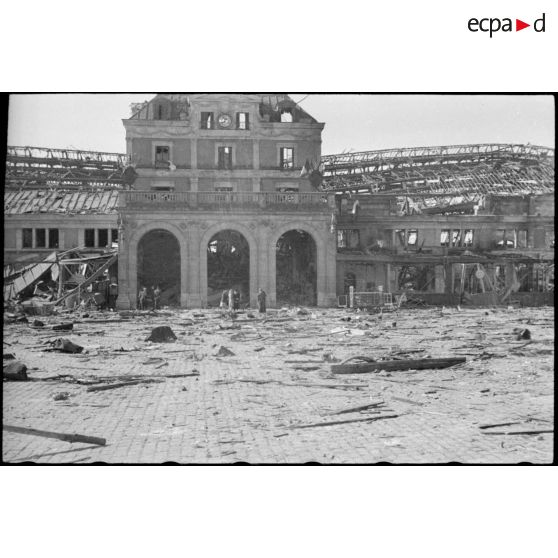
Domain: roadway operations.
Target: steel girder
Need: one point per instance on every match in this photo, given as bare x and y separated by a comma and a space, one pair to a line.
503, 169
69, 168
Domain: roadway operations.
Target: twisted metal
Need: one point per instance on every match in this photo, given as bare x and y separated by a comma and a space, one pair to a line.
503, 169
67, 168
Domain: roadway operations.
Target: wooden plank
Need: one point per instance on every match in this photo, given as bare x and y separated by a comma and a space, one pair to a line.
334, 422
59, 436
520, 432
122, 384
391, 365
356, 409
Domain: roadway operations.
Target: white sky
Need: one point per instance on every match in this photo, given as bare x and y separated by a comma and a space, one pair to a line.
353, 122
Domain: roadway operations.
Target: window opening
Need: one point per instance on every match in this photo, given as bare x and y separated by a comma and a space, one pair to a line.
286, 157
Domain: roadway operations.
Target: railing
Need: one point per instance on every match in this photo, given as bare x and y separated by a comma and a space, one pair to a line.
278, 201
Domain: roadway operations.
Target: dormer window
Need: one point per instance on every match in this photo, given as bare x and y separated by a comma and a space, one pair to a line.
286, 115
242, 120
206, 121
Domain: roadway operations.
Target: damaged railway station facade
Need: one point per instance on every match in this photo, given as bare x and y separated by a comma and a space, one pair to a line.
232, 191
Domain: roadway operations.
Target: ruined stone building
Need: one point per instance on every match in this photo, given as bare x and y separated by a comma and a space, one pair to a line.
232, 191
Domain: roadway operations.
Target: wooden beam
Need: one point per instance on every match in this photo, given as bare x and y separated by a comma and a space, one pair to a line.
390, 365
59, 436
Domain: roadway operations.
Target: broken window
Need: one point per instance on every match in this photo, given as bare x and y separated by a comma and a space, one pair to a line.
400, 237
40, 238
224, 157
412, 237
159, 112
468, 238
242, 120
114, 237
286, 157
456, 237
90, 238
103, 237
27, 238
522, 238
505, 239
162, 156
286, 115
348, 238
444, 237
53, 238
550, 239
206, 121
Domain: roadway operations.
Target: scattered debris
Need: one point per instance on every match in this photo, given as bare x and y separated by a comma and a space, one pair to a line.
65, 346
422, 364
224, 352
61, 396
15, 371
522, 333
64, 437
162, 334
63, 327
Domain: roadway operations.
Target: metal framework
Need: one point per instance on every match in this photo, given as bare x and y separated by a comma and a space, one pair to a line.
501, 169
67, 168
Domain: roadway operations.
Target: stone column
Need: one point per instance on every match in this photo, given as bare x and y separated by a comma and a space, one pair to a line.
263, 273
193, 269
185, 259
330, 294
126, 298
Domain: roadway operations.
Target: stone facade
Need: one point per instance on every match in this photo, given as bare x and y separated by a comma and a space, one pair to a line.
202, 168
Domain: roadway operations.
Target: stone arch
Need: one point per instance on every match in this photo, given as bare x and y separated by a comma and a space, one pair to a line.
132, 268
321, 250
208, 234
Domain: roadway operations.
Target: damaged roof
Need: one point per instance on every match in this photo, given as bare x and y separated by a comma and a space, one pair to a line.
177, 106
18, 202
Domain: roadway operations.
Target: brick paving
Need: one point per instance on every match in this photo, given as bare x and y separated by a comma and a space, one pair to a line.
241, 408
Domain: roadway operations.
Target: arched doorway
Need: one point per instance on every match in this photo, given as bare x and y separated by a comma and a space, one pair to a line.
296, 265
228, 266
159, 264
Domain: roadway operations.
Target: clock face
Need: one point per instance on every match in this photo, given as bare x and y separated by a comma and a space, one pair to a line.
224, 120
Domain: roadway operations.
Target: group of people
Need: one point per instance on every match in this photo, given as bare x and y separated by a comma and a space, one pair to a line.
149, 295
230, 300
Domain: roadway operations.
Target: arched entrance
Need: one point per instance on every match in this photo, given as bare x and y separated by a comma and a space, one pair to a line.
296, 266
159, 264
228, 266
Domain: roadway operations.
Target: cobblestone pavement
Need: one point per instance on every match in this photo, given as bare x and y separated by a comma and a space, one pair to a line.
242, 407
